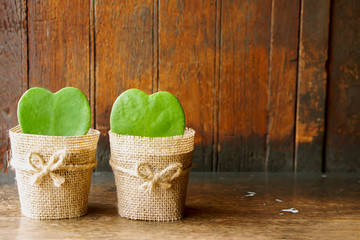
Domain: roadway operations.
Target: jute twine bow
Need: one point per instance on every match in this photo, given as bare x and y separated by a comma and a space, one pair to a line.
162, 178
55, 161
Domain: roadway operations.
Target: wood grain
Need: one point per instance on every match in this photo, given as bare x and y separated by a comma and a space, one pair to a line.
251, 75
13, 67
244, 88
311, 89
59, 44
216, 208
187, 65
282, 85
92, 47
343, 117
124, 58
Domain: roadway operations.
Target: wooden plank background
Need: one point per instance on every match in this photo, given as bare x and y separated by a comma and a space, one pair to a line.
267, 85
311, 85
343, 108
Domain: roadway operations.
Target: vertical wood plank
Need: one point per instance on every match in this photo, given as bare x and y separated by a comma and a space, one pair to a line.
186, 67
312, 77
215, 155
59, 44
123, 58
244, 90
343, 117
13, 67
282, 84
92, 60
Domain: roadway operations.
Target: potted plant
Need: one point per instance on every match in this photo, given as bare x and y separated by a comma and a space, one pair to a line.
53, 153
151, 155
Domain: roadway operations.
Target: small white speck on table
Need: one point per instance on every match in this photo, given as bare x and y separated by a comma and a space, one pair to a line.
292, 210
250, 194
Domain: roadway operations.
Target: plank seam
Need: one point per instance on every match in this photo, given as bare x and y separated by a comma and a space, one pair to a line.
218, 57
92, 61
157, 44
27, 45
213, 137
269, 119
297, 88
94, 56
153, 47
327, 90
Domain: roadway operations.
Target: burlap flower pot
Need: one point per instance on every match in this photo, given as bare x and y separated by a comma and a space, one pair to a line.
151, 175
53, 173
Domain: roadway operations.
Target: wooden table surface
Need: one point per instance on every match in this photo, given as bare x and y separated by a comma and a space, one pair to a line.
219, 206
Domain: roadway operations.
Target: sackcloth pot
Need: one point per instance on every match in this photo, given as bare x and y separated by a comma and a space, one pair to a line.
151, 175
53, 173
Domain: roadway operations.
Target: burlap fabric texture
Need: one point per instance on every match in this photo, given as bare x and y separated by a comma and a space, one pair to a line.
151, 175
53, 173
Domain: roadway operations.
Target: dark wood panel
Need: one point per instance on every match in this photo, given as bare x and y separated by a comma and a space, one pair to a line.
124, 56
59, 44
282, 84
13, 67
343, 118
187, 64
312, 77
244, 88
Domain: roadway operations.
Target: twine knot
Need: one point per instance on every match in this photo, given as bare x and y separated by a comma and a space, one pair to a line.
162, 178
45, 169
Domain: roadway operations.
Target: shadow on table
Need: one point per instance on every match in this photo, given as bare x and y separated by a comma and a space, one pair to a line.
192, 211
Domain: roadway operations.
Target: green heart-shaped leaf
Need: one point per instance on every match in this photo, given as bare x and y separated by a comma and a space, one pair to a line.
64, 113
158, 115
